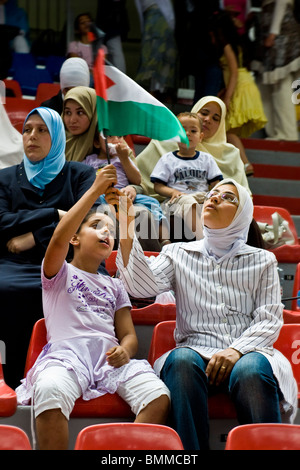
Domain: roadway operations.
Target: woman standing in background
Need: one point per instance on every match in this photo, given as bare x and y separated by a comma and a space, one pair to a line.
277, 66
156, 72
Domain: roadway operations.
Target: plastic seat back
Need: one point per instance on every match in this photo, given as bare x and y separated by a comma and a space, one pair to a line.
264, 214
8, 397
128, 436
17, 110
162, 340
110, 263
288, 343
263, 436
13, 438
45, 91
296, 289
291, 316
153, 314
108, 405
14, 87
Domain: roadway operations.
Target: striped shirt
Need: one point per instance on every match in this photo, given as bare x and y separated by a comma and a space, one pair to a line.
235, 303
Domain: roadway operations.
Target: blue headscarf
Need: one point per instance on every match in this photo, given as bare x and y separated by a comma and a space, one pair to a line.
43, 172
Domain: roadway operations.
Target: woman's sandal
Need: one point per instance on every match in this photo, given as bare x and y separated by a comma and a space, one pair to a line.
249, 170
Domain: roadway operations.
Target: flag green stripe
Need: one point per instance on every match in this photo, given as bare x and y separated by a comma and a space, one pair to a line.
130, 117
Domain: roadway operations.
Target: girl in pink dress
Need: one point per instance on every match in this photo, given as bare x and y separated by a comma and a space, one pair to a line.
91, 337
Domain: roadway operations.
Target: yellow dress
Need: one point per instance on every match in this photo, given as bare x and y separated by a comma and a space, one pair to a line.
245, 114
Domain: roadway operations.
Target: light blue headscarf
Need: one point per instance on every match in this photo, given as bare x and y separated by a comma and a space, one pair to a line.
41, 173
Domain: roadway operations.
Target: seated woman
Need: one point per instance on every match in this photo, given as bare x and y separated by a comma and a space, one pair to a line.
212, 112
228, 317
34, 195
80, 118
74, 72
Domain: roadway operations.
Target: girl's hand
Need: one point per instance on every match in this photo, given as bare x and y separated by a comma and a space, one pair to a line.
117, 356
125, 211
105, 177
122, 150
115, 197
130, 192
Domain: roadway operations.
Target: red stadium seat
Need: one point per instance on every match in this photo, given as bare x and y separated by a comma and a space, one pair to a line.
45, 91
296, 290
220, 406
291, 316
110, 263
8, 397
17, 110
264, 214
288, 343
128, 436
153, 314
261, 436
13, 438
14, 87
109, 405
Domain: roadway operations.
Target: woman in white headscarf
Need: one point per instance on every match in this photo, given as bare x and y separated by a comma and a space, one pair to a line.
228, 316
226, 155
74, 72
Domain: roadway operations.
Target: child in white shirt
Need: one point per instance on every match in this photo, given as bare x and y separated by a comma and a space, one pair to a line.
186, 175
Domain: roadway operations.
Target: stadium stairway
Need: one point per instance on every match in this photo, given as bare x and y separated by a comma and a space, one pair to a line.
276, 182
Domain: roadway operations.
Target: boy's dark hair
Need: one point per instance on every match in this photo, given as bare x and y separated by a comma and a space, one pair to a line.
192, 115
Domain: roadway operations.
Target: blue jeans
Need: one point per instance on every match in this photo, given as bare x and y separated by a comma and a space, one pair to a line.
251, 385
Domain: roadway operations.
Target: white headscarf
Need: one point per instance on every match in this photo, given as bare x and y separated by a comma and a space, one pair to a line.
74, 72
223, 243
226, 155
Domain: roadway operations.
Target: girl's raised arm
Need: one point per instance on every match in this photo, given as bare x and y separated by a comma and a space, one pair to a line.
59, 244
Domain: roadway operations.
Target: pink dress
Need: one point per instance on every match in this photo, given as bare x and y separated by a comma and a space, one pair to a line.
82, 50
79, 309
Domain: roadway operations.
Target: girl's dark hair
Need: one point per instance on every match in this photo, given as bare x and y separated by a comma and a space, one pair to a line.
223, 31
92, 211
76, 22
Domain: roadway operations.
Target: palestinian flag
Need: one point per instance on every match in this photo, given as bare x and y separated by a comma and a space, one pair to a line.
124, 107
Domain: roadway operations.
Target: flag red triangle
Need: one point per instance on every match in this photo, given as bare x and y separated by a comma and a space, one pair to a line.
101, 81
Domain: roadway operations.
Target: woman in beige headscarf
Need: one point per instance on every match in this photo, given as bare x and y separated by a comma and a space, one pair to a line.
226, 155
80, 119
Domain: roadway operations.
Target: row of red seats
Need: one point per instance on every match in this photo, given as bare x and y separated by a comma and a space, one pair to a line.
108, 436
162, 341
138, 436
110, 406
